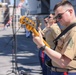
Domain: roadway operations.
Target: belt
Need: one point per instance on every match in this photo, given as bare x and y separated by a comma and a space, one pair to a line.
57, 69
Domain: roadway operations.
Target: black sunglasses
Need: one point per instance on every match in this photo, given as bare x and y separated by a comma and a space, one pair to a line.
45, 21
49, 16
59, 16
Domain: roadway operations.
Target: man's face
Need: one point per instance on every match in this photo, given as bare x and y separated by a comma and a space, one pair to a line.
62, 15
46, 22
51, 20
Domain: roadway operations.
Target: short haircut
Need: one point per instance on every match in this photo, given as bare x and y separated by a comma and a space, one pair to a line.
62, 3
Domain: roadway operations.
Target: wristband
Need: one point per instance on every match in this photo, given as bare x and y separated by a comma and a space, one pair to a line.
42, 48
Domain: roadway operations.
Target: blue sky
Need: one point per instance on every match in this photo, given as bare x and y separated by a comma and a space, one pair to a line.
12, 1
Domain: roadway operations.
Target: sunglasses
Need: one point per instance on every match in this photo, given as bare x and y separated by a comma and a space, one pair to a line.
49, 16
59, 16
45, 21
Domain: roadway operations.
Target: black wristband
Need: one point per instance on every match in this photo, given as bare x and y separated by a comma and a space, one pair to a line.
42, 48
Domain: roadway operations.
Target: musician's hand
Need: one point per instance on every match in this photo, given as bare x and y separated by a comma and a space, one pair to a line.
38, 40
39, 28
